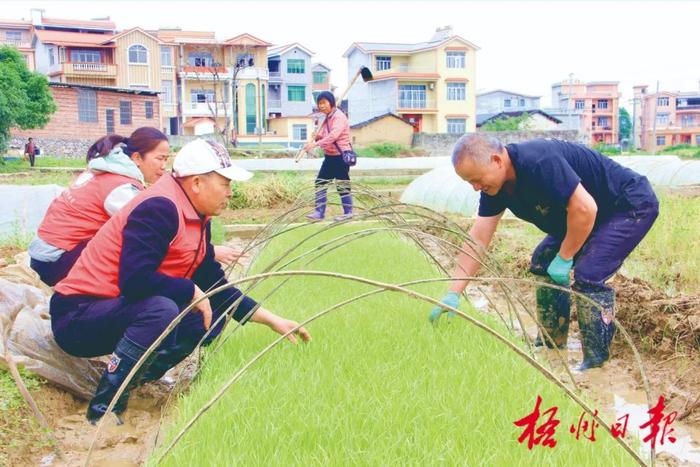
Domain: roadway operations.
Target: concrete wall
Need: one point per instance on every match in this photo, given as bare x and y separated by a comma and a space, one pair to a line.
441, 144
376, 98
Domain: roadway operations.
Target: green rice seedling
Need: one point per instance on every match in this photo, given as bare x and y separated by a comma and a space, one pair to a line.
378, 385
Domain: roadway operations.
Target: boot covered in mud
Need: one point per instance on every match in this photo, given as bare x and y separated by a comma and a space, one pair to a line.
122, 360
597, 327
553, 314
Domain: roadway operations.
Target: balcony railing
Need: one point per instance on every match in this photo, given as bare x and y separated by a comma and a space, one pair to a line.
404, 68
101, 69
416, 103
251, 72
15, 43
274, 104
204, 108
275, 75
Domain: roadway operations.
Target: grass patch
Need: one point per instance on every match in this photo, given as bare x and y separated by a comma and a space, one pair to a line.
683, 150
388, 149
267, 191
377, 386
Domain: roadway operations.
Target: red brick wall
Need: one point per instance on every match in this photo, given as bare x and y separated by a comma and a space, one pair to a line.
65, 124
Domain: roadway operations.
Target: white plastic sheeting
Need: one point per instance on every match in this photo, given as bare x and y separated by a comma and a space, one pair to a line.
669, 171
443, 191
23, 206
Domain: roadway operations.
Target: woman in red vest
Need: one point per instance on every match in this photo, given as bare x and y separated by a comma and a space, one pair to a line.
118, 169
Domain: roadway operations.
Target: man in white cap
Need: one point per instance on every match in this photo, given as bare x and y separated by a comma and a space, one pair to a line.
146, 264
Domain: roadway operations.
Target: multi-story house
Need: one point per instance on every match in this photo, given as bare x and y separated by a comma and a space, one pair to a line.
494, 102
677, 117
291, 77
429, 84
321, 80
219, 84
18, 34
591, 108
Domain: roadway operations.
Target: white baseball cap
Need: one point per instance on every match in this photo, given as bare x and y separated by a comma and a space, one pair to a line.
201, 156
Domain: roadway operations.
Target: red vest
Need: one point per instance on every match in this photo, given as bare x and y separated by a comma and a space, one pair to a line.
97, 270
78, 212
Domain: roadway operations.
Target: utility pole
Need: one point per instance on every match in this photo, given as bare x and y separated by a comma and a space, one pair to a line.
656, 104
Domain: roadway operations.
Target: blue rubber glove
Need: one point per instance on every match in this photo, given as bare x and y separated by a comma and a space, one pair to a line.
451, 299
559, 269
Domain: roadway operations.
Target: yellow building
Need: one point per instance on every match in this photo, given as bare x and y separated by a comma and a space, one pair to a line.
208, 71
429, 84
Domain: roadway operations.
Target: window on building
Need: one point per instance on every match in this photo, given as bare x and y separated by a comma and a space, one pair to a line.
506, 102
662, 101
166, 55
521, 102
320, 77
148, 109
383, 63
125, 112
166, 91
244, 60
200, 59
456, 126
299, 132
202, 95
602, 104
456, 91
296, 93
13, 36
660, 140
85, 56
295, 65
250, 109
109, 120
579, 104
662, 119
87, 105
412, 96
138, 54
456, 59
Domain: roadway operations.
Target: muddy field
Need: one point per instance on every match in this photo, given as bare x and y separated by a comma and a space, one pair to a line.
665, 329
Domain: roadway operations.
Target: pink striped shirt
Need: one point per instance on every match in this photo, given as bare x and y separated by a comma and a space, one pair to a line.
339, 133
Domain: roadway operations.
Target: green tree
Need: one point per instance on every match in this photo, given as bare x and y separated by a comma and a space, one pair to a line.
520, 122
25, 100
625, 124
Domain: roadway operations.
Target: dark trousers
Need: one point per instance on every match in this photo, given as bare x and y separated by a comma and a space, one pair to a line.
90, 326
333, 167
52, 273
608, 245
32, 156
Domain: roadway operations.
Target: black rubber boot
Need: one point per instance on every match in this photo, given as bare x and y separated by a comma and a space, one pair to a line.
554, 314
122, 360
166, 359
596, 334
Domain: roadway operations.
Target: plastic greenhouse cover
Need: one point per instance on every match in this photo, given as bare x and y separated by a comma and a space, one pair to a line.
23, 206
443, 191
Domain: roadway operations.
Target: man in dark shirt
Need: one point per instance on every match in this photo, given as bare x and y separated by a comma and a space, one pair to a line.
593, 210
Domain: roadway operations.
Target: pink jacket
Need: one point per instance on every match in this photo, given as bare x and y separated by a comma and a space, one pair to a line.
339, 133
